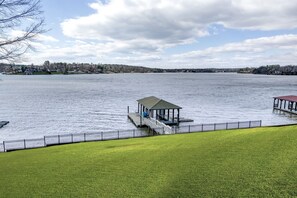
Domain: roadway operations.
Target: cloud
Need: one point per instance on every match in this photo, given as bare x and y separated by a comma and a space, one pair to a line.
179, 21
279, 49
46, 38
251, 52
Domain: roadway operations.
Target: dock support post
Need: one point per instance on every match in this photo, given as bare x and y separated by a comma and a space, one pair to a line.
177, 116
274, 103
168, 117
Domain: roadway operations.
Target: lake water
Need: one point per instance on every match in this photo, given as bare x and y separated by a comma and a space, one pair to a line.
59, 104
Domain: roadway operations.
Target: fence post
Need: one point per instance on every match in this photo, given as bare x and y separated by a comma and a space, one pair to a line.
128, 109
58, 139
202, 127
84, 137
133, 133
226, 125
238, 124
215, 126
44, 141
189, 129
101, 136
163, 131
4, 146
119, 133
24, 143
260, 123
71, 138
249, 124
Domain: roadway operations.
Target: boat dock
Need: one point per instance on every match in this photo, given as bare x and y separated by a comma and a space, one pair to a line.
3, 123
155, 113
286, 104
139, 121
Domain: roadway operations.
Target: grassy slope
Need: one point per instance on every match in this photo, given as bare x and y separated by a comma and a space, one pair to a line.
255, 162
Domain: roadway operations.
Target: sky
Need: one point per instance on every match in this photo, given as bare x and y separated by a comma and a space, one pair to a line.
169, 34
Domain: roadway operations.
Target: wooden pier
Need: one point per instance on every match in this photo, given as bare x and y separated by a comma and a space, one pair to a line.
135, 119
286, 104
157, 113
151, 123
3, 123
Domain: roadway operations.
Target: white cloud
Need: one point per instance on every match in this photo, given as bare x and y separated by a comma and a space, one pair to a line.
250, 52
46, 38
279, 49
178, 21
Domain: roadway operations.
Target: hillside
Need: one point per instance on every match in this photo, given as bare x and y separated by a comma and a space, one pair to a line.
257, 162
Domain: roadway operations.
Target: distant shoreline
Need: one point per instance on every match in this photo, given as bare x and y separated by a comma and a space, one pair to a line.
85, 68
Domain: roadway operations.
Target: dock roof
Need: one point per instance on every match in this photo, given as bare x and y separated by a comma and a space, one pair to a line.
290, 98
154, 103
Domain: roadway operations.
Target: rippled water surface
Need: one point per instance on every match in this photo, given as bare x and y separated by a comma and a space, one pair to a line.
59, 104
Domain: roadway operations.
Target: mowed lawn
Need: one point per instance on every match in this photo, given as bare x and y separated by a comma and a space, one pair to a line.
258, 162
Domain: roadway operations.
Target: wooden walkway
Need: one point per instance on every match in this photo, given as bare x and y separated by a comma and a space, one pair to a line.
3, 123
135, 118
151, 123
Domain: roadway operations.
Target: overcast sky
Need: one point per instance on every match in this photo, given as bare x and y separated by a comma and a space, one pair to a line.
169, 34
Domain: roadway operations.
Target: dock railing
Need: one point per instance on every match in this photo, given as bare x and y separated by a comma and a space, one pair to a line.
167, 129
113, 135
217, 126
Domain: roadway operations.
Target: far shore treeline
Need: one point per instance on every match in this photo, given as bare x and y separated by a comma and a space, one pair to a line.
88, 68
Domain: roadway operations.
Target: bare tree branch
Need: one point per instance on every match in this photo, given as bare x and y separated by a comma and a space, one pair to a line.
23, 16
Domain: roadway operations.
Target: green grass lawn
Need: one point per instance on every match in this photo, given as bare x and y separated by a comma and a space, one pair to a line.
259, 162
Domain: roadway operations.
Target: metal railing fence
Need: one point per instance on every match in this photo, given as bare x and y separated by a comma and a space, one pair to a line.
113, 135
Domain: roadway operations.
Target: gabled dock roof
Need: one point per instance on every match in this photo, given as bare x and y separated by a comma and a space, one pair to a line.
290, 98
154, 103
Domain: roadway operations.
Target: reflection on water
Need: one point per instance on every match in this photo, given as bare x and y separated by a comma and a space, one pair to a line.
47, 105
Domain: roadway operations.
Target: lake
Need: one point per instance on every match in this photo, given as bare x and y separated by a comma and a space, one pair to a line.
62, 104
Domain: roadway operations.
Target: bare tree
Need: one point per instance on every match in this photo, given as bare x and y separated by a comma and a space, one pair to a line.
20, 22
